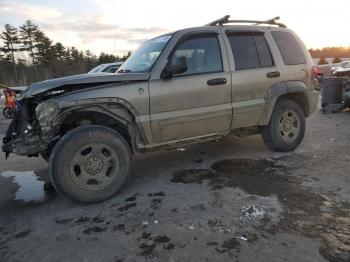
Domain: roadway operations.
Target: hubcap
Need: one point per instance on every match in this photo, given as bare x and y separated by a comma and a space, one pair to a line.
94, 166
289, 126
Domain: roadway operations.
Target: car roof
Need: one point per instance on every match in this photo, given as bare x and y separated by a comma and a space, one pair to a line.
261, 28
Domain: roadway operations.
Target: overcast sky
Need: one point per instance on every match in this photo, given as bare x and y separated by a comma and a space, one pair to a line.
114, 25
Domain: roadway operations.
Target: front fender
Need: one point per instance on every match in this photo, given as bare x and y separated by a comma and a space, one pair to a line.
115, 108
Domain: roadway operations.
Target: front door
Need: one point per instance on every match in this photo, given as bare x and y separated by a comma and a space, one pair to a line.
198, 101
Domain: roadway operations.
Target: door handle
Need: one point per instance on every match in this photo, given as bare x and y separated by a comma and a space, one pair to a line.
273, 74
216, 81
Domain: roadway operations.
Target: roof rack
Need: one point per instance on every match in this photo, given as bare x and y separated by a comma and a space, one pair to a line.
226, 20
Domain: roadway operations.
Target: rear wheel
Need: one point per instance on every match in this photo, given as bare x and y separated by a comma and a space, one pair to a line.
286, 128
90, 164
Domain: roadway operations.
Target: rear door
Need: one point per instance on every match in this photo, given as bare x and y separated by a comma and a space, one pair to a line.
254, 71
198, 101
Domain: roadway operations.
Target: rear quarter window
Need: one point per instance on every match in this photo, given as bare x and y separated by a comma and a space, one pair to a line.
250, 50
290, 50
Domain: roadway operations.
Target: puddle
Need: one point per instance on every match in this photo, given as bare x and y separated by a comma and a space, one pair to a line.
305, 212
257, 177
30, 188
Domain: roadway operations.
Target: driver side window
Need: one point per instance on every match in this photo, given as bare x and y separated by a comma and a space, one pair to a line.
202, 54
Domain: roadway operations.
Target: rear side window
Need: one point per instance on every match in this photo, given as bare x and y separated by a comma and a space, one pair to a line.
250, 50
289, 48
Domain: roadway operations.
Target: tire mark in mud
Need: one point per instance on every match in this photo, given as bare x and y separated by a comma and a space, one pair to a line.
148, 243
305, 212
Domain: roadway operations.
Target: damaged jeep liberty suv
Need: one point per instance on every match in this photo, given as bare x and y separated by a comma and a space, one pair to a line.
192, 85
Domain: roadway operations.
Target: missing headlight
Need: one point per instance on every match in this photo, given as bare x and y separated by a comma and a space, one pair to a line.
45, 112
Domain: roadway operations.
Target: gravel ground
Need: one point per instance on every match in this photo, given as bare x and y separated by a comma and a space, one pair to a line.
228, 200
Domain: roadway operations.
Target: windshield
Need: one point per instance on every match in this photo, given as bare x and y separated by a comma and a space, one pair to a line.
143, 59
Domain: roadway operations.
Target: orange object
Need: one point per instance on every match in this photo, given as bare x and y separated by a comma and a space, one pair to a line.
10, 98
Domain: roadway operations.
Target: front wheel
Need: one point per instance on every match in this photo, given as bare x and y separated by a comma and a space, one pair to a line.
286, 128
90, 164
45, 155
8, 113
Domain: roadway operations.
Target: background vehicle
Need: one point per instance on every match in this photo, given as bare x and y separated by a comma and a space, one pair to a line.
106, 68
193, 85
342, 70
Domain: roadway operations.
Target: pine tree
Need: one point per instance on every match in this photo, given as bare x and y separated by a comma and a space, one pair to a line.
60, 51
45, 51
68, 55
106, 58
91, 60
75, 54
322, 61
337, 60
27, 36
10, 45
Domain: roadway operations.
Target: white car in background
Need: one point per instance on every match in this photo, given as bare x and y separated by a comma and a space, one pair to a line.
343, 69
106, 68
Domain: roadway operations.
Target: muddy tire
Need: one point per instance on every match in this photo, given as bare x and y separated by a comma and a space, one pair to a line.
45, 155
90, 164
286, 128
8, 113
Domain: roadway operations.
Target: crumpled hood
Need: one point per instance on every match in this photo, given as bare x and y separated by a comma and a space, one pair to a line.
100, 78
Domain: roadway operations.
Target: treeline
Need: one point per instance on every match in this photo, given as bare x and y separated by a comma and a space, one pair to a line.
334, 52
27, 55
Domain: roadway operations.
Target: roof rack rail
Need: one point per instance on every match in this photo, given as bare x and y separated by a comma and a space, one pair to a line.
226, 20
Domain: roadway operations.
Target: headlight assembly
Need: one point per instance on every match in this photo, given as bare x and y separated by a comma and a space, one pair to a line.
46, 111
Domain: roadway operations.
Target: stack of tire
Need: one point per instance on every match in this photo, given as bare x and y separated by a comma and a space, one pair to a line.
332, 94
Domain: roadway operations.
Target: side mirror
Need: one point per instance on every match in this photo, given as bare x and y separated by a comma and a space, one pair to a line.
177, 65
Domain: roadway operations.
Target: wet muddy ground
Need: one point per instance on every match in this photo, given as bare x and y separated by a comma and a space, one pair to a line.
232, 200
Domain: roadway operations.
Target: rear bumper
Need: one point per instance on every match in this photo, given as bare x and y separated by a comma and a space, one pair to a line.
313, 97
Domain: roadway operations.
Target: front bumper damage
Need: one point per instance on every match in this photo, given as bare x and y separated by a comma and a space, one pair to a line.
24, 147
24, 136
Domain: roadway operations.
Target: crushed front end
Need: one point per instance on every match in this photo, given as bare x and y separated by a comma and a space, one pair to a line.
25, 135
35, 127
